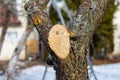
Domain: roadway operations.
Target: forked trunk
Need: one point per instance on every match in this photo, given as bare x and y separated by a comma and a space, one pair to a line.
74, 67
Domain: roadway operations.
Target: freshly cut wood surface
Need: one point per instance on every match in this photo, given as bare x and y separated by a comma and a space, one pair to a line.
59, 41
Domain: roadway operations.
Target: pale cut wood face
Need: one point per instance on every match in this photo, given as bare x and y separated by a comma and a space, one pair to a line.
59, 41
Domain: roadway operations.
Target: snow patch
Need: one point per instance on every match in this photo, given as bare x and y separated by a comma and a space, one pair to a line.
103, 72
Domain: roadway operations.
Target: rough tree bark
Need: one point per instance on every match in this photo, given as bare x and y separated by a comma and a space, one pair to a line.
11, 71
74, 67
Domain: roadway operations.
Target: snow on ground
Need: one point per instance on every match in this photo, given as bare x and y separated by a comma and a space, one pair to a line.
103, 72
36, 73
107, 72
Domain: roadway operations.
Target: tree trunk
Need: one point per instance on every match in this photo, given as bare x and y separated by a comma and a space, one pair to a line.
4, 30
74, 67
11, 71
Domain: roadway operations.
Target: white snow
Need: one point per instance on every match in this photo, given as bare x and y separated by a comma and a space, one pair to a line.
36, 73
103, 72
107, 72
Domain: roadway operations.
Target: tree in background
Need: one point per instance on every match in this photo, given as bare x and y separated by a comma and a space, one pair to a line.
103, 36
6, 21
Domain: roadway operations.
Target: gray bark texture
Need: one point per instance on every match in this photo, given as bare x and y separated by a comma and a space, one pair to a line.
74, 67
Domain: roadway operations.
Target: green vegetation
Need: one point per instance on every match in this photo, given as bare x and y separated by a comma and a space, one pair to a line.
72, 5
103, 36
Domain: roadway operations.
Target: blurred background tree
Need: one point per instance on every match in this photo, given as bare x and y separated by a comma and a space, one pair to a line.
103, 36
